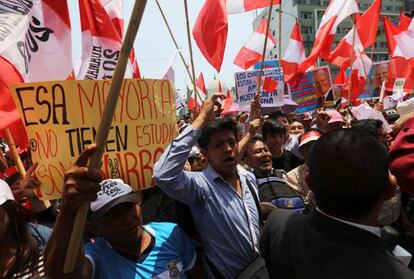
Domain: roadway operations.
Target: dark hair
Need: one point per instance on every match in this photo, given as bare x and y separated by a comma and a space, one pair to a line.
252, 141
348, 170
369, 126
272, 127
218, 125
275, 115
27, 248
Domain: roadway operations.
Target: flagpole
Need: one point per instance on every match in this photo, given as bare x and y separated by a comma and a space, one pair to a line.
363, 66
350, 75
280, 33
191, 54
174, 41
104, 128
372, 51
269, 16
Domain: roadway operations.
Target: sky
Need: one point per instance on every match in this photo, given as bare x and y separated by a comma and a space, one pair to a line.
154, 47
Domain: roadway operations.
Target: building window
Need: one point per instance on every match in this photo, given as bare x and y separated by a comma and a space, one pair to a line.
314, 2
383, 45
325, 3
320, 13
305, 15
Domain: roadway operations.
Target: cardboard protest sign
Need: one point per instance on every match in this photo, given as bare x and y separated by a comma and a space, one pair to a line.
246, 85
377, 75
62, 117
307, 94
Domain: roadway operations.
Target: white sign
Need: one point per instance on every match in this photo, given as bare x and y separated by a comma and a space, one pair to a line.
246, 84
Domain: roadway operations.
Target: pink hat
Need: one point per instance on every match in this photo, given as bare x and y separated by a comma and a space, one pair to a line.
307, 137
335, 117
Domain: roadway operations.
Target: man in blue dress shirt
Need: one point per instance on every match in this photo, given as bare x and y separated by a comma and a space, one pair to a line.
221, 203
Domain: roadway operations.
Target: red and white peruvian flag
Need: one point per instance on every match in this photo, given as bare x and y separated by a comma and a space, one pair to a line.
405, 41
114, 10
400, 66
360, 69
366, 30
35, 37
241, 6
334, 14
252, 50
101, 42
295, 54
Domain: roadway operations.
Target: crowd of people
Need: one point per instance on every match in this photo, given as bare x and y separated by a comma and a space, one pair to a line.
319, 195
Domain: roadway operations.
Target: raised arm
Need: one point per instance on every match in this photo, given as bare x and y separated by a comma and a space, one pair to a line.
168, 171
81, 185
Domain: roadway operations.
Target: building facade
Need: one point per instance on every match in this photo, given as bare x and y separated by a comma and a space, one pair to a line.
309, 14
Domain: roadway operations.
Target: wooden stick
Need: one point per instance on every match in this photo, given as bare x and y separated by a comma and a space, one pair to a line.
372, 51
363, 66
104, 127
191, 54
13, 152
350, 75
174, 41
280, 34
259, 79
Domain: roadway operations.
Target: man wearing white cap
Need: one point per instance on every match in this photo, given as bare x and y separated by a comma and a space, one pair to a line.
124, 247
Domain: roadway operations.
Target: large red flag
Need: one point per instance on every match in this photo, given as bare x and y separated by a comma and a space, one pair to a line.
367, 24
295, 54
36, 38
365, 34
9, 114
210, 31
334, 14
101, 42
252, 50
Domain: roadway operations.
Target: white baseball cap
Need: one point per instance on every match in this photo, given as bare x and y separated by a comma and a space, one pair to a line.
5, 192
112, 193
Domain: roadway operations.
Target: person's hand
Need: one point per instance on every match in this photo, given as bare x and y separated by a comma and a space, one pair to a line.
322, 119
255, 107
207, 112
25, 187
81, 182
254, 126
379, 106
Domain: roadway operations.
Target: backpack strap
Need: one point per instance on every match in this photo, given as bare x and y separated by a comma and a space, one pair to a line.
256, 201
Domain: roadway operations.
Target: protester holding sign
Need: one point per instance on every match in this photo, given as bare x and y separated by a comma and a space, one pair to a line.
230, 234
124, 248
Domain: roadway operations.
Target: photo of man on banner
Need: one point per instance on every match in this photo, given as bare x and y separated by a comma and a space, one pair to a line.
323, 86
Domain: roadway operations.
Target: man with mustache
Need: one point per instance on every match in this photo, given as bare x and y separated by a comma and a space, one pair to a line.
220, 197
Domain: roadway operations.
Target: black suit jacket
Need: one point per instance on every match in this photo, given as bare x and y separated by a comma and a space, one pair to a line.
316, 246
